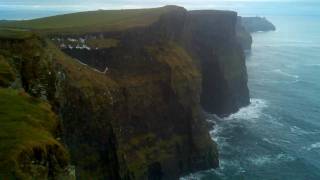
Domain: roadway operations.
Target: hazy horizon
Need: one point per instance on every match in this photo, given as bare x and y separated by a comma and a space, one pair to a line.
18, 10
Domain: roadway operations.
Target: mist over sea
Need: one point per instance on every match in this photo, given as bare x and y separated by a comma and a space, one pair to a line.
278, 136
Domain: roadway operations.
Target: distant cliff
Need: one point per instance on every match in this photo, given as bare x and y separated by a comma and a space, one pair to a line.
129, 99
247, 25
255, 24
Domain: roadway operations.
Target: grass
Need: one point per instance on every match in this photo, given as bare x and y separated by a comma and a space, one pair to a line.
146, 149
103, 43
26, 124
14, 33
92, 21
6, 73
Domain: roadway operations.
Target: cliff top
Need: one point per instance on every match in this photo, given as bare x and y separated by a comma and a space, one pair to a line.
9, 33
93, 21
100, 20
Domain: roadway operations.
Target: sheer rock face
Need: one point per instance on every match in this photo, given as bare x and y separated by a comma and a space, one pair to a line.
140, 118
243, 35
210, 36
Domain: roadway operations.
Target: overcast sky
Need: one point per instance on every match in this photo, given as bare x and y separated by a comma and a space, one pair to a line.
123, 4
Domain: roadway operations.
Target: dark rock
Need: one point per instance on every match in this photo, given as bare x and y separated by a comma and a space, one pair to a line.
213, 43
142, 119
243, 36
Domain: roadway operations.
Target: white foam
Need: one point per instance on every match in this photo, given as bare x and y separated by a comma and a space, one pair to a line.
270, 159
313, 146
279, 71
190, 177
251, 112
262, 160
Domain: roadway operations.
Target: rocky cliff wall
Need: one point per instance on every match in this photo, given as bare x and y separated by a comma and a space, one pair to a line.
210, 37
133, 110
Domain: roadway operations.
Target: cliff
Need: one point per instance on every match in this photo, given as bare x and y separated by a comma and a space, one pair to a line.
130, 99
30, 146
243, 35
213, 43
255, 24
247, 25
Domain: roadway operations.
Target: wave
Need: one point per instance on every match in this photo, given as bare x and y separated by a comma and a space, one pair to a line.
270, 159
269, 141
298, 131
313, 65
313, 146
279, 71
251, 112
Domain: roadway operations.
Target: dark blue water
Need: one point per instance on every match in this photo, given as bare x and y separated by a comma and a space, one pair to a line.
278, 136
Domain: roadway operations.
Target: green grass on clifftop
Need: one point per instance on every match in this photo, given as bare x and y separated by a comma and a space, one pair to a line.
12, 33
93, 21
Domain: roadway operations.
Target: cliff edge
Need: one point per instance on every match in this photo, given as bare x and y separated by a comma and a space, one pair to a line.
129, 99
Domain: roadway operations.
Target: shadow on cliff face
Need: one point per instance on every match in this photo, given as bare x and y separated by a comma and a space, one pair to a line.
214, 45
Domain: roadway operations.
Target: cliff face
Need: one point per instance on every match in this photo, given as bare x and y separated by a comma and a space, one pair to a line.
31, 146
244, 36
134, 110
210, 36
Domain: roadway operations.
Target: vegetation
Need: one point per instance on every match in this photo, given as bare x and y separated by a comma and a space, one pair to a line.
92, 21
103, 43
27, 129
146, 149
6, 73
14, 33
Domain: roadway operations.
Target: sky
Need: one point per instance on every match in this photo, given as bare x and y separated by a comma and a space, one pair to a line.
29, 9
123, 4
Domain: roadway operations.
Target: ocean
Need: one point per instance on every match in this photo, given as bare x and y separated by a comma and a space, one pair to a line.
277, 137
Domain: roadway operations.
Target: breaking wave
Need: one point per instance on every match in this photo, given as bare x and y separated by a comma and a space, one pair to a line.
270, 159
279, 71
253, 111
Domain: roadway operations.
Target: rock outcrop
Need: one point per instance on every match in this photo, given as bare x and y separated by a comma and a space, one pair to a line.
132, 107
255, 24
247, 25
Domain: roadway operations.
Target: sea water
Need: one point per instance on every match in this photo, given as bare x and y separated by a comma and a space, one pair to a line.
277, 137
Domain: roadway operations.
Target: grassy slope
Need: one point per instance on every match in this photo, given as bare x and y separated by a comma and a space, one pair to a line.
92, 21
26, 124
10, 33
